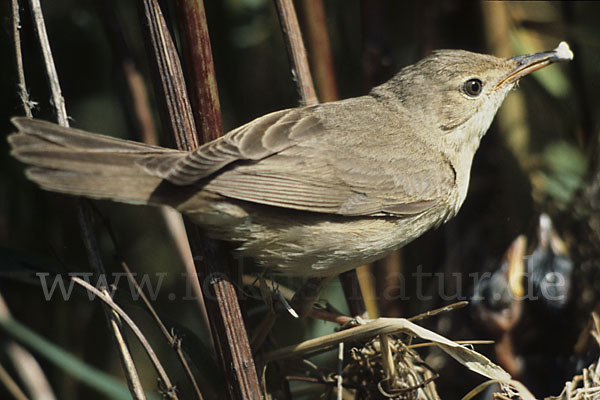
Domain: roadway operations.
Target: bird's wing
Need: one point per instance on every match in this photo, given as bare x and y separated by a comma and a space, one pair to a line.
255, 140
348, 183
294, 159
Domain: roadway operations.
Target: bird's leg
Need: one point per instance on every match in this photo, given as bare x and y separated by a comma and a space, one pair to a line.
307, 295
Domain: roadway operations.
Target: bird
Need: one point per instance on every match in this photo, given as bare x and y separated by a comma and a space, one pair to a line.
311, 191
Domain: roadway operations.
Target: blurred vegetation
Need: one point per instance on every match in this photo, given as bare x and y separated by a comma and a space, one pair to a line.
541, 155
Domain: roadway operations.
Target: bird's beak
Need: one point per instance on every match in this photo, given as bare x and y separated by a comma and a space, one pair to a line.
532, 62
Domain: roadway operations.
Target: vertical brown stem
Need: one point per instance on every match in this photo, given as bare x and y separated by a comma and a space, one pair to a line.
229, 334
201, 71
352, 292
176, 112
315, 26
296, 52
134, 97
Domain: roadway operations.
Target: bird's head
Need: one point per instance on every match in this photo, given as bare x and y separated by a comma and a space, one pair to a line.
458, 92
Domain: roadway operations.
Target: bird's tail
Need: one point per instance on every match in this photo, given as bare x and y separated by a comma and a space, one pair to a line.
72, 161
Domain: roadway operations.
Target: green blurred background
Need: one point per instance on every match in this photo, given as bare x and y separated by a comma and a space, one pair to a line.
541, 155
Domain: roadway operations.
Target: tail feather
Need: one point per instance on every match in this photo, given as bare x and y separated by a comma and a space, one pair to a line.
134, 190
71, 161
77, 139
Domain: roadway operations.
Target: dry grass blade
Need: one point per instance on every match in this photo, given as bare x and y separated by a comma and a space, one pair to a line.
478, 389
388, 326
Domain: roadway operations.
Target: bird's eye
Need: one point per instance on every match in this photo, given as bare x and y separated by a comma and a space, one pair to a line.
473, 87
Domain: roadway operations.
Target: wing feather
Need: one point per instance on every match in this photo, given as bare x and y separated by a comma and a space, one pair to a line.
256, 140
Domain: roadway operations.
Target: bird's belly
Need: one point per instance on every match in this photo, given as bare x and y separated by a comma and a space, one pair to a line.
312, 244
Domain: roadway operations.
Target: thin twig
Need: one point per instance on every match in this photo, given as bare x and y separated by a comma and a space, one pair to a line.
148, 305
132, 376
28, 368
174, 341
138, 288
16, 17
170, 390
91, 245
463, 342
431, 313
296, 52
57, 98
287, 293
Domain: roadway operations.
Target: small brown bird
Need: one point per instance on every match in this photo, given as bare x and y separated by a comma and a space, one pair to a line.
315, 190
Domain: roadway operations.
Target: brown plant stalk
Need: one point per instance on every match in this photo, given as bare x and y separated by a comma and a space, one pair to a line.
229, 334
